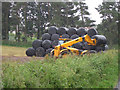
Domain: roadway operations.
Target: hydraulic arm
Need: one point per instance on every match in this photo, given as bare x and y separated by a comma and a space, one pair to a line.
86, 38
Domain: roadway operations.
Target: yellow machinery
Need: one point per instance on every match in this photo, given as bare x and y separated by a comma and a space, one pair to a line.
66, 48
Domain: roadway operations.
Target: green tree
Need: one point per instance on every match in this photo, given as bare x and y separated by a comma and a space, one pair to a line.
109, 25
5, 20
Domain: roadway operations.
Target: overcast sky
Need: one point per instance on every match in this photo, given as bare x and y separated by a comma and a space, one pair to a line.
92, 4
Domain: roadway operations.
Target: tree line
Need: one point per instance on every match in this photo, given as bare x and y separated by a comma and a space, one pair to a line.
31, 19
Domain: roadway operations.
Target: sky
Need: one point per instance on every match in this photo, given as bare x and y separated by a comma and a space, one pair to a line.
94, 15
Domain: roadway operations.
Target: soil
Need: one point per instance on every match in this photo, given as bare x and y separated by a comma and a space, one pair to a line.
19, 58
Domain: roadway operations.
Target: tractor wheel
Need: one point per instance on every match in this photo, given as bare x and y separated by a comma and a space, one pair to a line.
64, 53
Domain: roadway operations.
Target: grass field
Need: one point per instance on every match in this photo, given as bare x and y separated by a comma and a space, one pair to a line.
90, 71
13, 51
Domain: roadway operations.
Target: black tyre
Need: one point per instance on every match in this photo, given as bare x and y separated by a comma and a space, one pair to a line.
30, 52
91, 32
71, 31
62, 30
46, 44
40, 52
101, 40
46, 36
74, 36
52, 30
37, 43
92, 51
55, 37
81, 32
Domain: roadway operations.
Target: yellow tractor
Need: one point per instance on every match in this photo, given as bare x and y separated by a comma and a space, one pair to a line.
66, 48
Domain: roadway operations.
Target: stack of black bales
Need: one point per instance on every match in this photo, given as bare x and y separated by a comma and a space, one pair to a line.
50, 39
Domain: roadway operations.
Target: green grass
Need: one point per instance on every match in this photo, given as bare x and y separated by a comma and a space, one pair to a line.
90, 71
17, 44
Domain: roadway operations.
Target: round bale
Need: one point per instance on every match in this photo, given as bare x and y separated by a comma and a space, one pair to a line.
78, 45
52, 30
55, 43
71, 31
100, 48
46, 36
30, 52
81, 32
101, 40
65, 36
37, 43
106, 47
91, 32
88, 47
55, 37
46, 44
74, 36
48, 51
40, 52
61, 30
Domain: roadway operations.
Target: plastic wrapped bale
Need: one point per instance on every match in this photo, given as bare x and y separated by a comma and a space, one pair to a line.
65, 36
71, 31
74, 36
101, 40
55, 37
40, 52
100, 48
81, 32
46, 44
48, 51
30, 52
37, 43
91, 32
106, 47
61, 30
88, 47
52, 30
55, 43
78, 45
46, 36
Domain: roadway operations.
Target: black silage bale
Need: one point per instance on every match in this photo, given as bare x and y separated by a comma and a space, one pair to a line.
37, 43
30, 52
55, 43
71, 31
88, 47
65, 36
106, 47
74, 36
46, 44
55, 37
81, 32
101, 40
46, 36
48, 51
52, 30
91, 32
100, 48
78, 45
40, 52
61, 30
